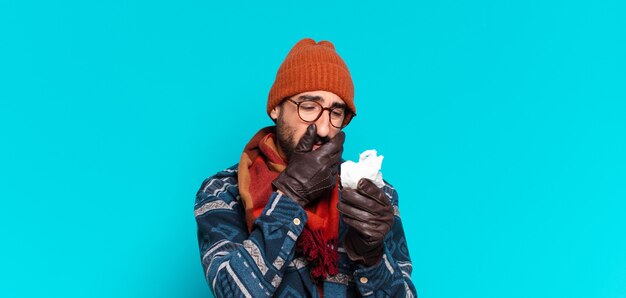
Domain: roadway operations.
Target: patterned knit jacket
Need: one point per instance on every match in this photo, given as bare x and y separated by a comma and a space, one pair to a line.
263, 263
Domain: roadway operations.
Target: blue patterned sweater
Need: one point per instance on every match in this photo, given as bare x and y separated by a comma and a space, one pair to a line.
263, 263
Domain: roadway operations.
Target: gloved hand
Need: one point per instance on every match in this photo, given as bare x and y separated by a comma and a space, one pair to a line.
369, 215
311, 173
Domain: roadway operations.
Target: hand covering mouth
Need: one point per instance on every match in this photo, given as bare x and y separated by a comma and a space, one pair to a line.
319, 142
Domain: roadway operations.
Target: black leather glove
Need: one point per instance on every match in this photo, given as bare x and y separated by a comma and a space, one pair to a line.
311, 173
369, 214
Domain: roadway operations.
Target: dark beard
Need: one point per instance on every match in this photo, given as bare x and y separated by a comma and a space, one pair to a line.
285, 137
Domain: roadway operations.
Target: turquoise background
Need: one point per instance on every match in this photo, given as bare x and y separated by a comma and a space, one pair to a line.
502, 124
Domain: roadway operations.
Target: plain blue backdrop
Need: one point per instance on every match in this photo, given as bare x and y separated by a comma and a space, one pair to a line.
502, 124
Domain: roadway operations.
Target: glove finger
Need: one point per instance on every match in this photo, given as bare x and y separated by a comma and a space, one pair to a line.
371, 225
363, 201
384, 222
355, 213
367, 188
307, 140
367, 231
353, 198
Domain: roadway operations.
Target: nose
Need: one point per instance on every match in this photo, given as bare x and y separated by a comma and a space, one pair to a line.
323, 124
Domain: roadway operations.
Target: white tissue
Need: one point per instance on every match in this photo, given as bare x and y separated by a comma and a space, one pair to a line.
368, 167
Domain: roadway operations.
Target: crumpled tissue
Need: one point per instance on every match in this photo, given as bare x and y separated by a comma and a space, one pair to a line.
368, 167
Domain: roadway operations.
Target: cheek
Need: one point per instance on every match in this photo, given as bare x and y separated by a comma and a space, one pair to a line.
290, 130
298, 132
296, 126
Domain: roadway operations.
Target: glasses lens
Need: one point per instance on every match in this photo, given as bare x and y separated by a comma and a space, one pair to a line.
337, 117
309, 110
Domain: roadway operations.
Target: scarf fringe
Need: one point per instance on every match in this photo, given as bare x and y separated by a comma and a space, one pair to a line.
322, 256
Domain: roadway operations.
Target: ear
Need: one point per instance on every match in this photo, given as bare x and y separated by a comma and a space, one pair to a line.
275, 112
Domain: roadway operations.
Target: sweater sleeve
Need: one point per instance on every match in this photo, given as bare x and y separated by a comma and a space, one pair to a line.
237, 263
391, 276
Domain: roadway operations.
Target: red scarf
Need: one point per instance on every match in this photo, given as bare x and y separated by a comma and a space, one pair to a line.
261, 163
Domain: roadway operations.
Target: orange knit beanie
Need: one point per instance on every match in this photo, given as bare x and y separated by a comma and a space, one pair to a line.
312, 66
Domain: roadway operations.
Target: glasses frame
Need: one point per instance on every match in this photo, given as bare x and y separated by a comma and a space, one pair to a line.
346, 120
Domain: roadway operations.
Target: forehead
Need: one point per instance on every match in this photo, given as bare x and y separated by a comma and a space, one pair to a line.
323, 97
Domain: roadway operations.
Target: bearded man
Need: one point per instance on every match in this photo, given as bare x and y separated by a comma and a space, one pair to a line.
278, 223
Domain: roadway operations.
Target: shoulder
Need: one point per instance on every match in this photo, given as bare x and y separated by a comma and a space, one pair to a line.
223, 184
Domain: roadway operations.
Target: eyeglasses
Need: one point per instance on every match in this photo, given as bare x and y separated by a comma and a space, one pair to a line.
310, 111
